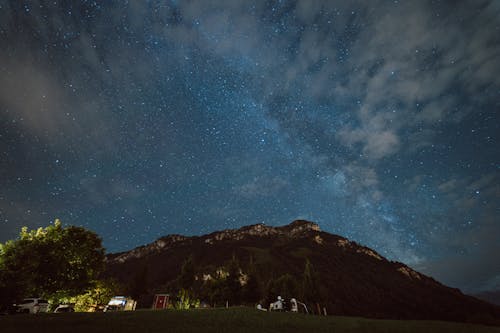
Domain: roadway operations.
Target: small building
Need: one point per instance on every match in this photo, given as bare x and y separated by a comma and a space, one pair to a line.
161, 301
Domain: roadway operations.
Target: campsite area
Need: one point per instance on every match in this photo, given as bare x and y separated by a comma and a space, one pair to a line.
234, 320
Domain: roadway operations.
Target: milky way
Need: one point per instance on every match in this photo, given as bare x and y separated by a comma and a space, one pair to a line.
377, 120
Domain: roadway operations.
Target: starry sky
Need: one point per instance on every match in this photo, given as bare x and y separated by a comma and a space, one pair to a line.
379, 120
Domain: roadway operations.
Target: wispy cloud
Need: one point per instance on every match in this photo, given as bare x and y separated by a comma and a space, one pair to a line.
261, 187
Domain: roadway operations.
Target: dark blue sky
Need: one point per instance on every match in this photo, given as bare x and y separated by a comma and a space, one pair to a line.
379, 120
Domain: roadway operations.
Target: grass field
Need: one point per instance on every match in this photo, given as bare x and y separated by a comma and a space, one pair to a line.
233, 320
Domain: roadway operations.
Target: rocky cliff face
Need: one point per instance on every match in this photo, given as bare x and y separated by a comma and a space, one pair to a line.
295, 229
355, 280
157, 246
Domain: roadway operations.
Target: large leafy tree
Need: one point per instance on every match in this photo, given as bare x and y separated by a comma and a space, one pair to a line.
50, 260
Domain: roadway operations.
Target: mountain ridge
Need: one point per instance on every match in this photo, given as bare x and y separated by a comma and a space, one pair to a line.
355, 280
259, 229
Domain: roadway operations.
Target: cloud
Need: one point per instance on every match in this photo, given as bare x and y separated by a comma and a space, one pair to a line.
33, 98
336, 183
411, 63
468, 193
402, 62
389, 57
261, 187
101, 190
376, 144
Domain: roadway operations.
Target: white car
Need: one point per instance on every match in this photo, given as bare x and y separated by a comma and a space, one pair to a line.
32, 305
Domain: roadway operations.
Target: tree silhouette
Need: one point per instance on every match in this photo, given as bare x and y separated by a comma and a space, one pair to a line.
187, 277
139, 284
310, 284
285, 286
252, 290
233, 282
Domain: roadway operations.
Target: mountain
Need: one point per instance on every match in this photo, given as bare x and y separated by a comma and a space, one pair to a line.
353, 279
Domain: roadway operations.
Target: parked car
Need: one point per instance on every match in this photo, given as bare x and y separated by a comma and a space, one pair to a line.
64, 308
32, 305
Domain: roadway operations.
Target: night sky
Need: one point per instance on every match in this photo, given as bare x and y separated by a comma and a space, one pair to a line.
379, 120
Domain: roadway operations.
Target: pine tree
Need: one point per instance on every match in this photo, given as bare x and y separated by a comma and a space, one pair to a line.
310, 284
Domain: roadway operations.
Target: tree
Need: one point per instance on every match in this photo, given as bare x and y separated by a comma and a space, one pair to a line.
187, 277
252, 290
186, 300
285, 286
50, 260
233, 282
139, 284
226, 286
99, 294
310, 284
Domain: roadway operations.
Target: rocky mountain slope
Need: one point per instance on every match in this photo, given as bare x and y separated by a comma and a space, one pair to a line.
355, 280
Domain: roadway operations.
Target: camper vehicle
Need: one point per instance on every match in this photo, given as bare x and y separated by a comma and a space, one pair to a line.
120, 303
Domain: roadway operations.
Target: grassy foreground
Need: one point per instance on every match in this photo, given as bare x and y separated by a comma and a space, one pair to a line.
233, 320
